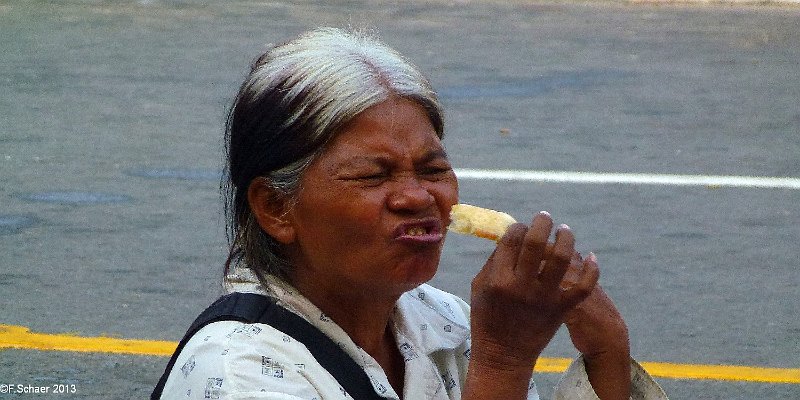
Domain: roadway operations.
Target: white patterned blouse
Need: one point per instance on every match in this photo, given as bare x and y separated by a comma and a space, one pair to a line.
235, 360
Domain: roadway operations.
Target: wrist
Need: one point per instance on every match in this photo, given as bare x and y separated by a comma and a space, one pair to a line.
497, 374
619, 357
616, 348
495, 356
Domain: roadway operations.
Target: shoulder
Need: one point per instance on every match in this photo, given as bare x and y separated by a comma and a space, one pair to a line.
228, 357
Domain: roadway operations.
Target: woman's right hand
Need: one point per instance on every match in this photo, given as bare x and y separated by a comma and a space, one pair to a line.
519, 300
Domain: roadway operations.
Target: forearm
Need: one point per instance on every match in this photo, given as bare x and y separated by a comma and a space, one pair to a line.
598, 331
610, 374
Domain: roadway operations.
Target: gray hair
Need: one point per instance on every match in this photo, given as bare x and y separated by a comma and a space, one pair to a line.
294, 100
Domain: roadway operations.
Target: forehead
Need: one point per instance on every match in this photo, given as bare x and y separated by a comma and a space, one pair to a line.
394, 127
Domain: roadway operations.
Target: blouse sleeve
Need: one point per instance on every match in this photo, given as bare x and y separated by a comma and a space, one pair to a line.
574, 384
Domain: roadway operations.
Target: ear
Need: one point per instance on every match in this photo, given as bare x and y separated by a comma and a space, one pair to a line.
270, 210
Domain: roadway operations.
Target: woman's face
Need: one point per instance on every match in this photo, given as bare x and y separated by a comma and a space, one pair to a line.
373, 208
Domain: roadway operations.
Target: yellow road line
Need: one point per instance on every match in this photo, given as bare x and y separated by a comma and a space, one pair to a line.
694, 371
20, 337
723, 372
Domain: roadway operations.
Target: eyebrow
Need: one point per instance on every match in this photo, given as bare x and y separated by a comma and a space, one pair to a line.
433, 154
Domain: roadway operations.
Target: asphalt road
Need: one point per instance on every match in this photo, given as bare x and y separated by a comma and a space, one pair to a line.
111, 118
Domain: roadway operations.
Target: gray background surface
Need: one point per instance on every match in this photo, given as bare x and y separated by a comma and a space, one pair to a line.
111, 117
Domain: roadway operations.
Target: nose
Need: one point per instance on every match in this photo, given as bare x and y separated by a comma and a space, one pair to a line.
410, 195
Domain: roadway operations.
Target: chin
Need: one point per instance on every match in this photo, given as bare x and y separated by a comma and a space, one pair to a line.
411, 275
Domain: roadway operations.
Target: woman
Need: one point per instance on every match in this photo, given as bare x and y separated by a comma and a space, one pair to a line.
339, 196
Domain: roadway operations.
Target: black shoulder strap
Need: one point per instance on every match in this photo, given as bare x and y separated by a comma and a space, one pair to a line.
251, 308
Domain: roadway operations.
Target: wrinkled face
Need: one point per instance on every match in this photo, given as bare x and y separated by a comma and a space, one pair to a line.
372, 210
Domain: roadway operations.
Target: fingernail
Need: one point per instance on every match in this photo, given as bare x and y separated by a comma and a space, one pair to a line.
592, 257
544, 213
563, 226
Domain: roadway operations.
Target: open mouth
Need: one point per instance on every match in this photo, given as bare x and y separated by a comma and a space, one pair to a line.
416, 231
428, 230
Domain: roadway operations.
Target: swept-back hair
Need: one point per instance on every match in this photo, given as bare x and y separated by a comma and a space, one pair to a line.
292, 103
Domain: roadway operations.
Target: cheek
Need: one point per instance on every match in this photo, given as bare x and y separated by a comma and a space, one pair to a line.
351, 216
446, 195
336, 231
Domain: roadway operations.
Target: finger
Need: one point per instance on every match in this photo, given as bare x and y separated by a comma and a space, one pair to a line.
534, 245
506, 253
584, 285
573, 271
556, 265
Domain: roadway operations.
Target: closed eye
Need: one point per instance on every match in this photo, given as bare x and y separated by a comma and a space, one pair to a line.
371, 177
367, 179
435, 172
435, 169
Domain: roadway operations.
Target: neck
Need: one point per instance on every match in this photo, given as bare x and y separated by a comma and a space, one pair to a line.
366, 320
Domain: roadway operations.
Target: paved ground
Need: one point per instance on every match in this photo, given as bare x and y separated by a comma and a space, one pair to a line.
110, 138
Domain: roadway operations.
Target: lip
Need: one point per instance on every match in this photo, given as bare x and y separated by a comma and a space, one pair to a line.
432, 226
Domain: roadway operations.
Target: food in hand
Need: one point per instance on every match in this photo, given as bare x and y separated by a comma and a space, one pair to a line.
480, 222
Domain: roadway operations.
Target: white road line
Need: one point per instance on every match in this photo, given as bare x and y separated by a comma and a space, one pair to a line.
629, 179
